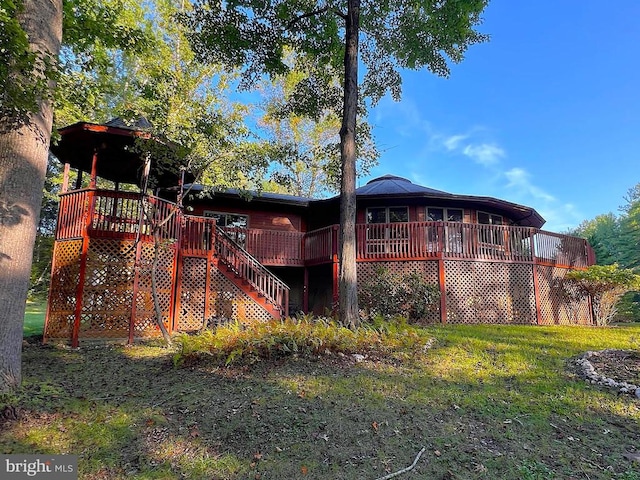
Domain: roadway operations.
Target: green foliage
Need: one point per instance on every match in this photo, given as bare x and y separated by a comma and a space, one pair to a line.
604, 285
391, 295
394, 35
306, 148
306, 336
25, 75
616, 239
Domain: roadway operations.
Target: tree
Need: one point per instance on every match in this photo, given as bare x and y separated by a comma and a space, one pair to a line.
306, 147
31, 38
326, 35
604, 285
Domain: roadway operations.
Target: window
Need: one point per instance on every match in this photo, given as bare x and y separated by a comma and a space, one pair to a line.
385, 239
490, 235
453, 234
233, 223
444, 214
387, 214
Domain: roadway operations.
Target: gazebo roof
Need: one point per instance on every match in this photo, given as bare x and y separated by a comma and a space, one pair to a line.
115, 142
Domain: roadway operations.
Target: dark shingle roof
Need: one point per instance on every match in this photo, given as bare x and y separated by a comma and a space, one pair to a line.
393, 185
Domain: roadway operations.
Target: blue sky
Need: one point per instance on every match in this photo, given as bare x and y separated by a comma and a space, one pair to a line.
546, 114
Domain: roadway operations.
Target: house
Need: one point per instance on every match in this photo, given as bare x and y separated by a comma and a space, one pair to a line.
229, 256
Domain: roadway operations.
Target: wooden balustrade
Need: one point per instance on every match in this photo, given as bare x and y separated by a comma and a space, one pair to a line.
320, 245
565, 250
197, 236
72, 212
249, 269
116, 215
270, 247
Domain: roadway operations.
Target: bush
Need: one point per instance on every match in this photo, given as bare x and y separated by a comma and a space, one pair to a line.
391, 295
604, 285
246, 343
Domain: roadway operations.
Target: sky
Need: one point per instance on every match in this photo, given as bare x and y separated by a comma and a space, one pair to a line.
546, 114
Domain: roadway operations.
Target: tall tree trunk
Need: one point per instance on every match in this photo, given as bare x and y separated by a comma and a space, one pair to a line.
23, 163
348, 282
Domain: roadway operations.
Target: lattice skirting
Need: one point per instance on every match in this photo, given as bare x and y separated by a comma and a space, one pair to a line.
109, 309
426, 269
556, 304
65, 274
225, 301
484, 292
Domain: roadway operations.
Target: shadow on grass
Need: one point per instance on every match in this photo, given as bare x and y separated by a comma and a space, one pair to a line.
493, 403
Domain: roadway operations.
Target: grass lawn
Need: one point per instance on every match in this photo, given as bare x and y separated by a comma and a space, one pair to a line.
486, 402
34, 318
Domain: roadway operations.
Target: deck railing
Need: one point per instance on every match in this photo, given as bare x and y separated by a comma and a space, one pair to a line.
453, 240
118, 214
270, 247
251, 270
110, 214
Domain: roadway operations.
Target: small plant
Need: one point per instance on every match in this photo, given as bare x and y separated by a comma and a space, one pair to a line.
604, 285
305, 336
393, 295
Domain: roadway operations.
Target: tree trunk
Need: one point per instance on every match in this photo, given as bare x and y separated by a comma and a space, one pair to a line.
348, 282
23, 163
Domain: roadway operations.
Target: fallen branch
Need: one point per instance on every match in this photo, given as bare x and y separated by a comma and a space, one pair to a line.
404, 470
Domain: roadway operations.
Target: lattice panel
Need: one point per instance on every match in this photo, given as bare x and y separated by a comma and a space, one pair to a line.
145, 319
484, 292
556, 307
108, 289
191, 291
426, 269
228, 302
62, 292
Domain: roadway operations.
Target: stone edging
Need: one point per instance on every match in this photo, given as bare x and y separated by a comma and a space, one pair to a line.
590, 374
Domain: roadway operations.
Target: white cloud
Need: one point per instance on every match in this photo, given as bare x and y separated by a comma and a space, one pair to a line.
453, 142
485, 153
520, 179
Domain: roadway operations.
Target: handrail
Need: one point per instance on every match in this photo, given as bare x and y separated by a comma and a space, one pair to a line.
251, 270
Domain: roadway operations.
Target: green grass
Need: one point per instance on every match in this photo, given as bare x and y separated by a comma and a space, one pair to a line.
34, 318
487, 402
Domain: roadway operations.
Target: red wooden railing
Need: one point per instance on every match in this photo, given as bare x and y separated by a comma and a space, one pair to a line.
71, 214
320, 245
565, 250
270, 247
197, 236
116, 215
251, 270
464, 241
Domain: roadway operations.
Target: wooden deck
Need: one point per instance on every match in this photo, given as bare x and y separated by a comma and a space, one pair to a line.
109, 214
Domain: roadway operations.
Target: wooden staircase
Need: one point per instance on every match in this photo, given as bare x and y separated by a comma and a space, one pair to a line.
250, 275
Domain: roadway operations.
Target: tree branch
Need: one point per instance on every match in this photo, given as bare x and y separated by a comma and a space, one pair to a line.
313, 13
404, 470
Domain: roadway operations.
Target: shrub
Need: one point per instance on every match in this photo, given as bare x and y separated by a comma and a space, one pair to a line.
604, 285
307, 336
394, 295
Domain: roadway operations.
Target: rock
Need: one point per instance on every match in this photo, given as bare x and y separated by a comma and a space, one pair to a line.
357, 357
638, 392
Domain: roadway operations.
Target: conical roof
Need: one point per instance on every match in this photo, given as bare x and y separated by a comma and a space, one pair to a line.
394, 185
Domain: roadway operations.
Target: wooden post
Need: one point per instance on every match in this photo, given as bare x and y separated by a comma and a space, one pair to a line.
536, 285
335, 265
78, 185
305, 291
441, 274
75, 332
536, 292
94, 169
65, 179
136, 286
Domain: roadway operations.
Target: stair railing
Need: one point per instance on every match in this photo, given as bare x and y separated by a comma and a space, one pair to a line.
245, 266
